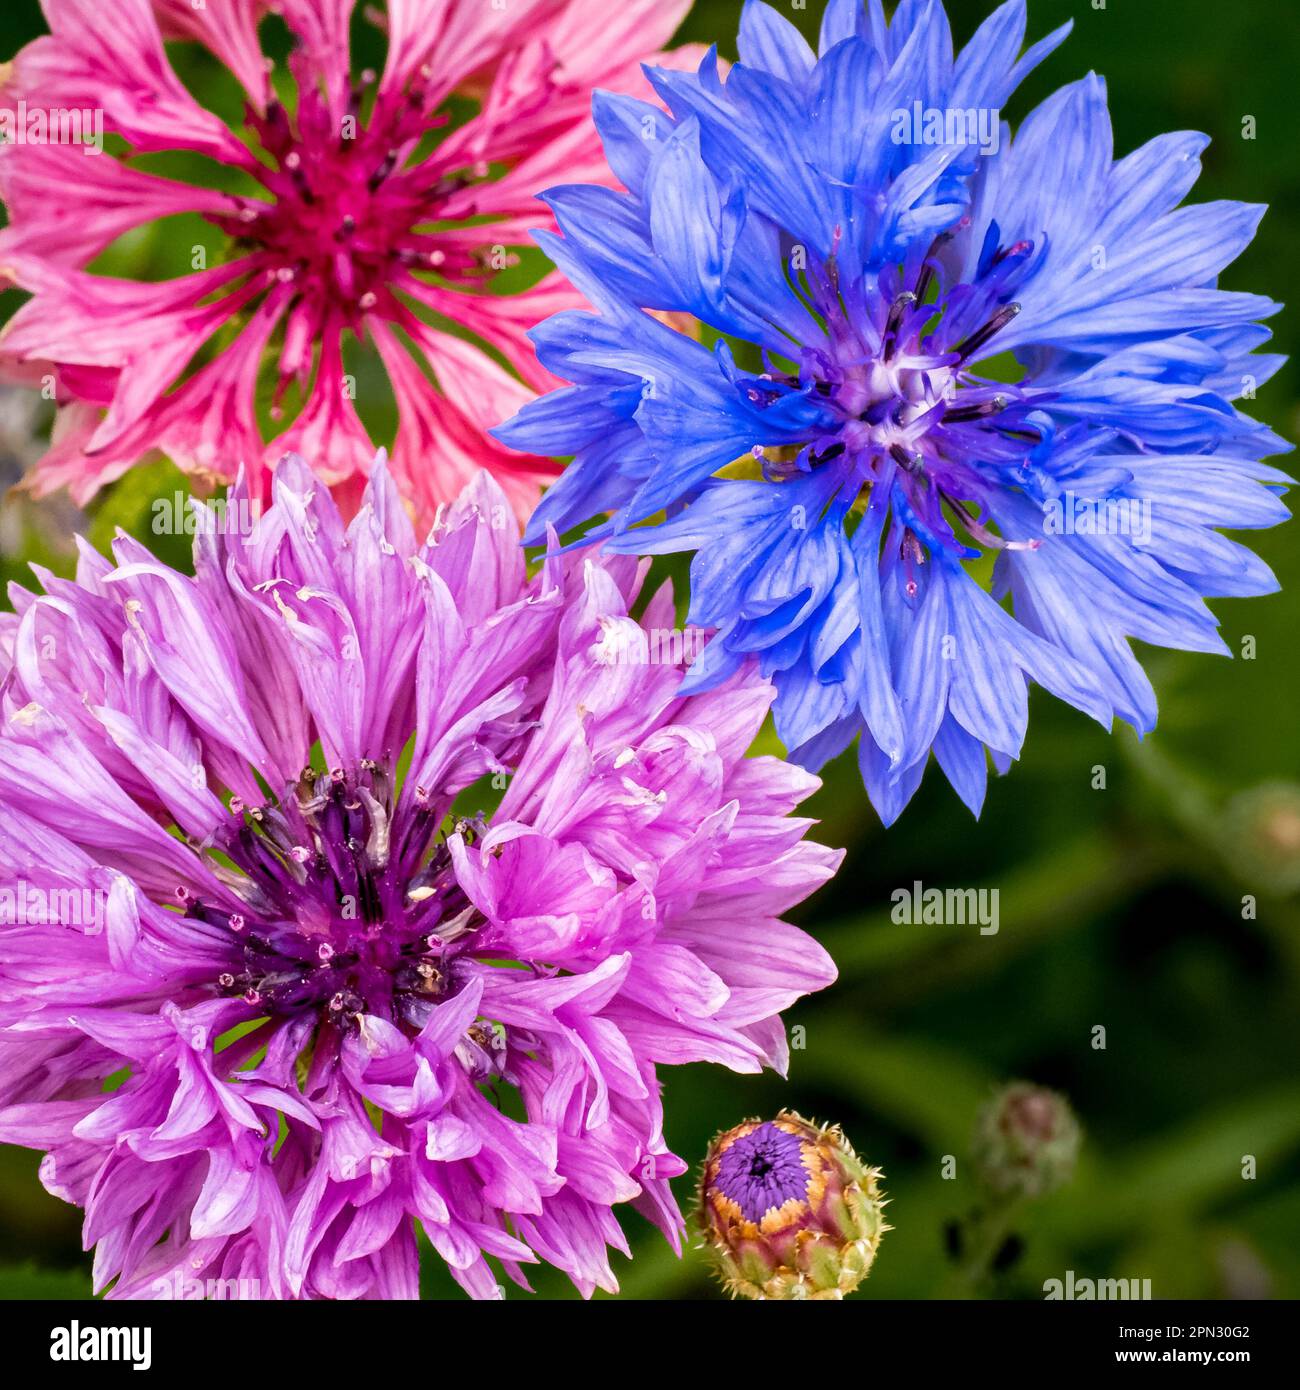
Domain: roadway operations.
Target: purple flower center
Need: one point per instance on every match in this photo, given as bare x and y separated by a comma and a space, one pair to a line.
349, 903
890, 376
762, 1170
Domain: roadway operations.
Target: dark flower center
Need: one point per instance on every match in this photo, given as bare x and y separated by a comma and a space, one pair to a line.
899, 402
350, 903
763, 1170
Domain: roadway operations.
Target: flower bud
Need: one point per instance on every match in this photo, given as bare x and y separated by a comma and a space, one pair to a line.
1026, 1141
788, 1210
1262, 830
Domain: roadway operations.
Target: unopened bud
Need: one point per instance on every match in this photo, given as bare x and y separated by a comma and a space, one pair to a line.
788, 1210
1026, 1141
1263, 834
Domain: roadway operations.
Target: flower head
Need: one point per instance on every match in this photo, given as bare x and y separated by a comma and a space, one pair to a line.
931, 370
373, 207
275, 988
788, 1211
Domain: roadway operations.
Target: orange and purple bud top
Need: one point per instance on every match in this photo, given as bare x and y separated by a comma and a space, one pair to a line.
788, 1210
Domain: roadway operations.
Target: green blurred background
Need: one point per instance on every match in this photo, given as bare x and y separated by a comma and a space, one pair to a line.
1120, 907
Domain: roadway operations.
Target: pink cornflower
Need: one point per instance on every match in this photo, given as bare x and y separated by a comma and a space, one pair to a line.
375, 205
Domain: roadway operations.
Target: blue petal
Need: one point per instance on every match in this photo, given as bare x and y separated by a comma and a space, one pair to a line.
769, 41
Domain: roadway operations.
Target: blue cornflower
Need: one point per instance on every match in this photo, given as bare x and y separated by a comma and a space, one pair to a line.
940, 413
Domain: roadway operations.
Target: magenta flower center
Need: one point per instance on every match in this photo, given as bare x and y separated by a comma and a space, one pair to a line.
347, 214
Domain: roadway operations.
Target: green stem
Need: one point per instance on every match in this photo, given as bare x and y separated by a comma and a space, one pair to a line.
984, 1237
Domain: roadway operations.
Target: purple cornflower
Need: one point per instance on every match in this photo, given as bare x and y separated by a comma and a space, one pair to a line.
273, 992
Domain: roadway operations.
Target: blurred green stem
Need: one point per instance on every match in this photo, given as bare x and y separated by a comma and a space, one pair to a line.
982, 1237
